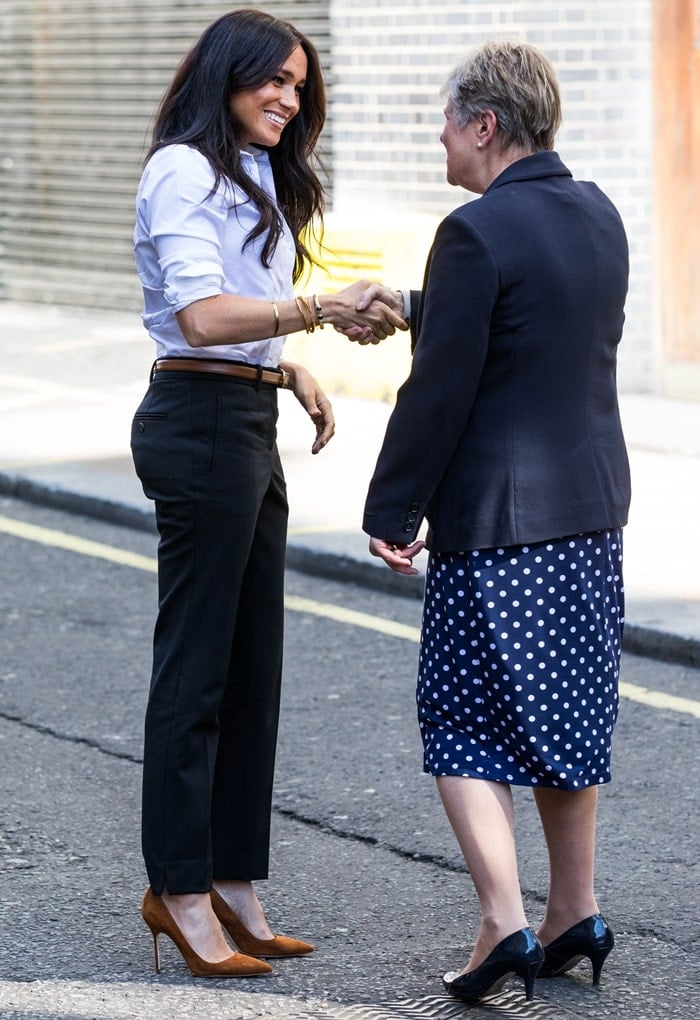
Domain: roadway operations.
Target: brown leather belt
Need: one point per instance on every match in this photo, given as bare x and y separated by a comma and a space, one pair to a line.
270, 376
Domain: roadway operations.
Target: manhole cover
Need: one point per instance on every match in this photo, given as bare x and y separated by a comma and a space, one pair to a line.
509, 1006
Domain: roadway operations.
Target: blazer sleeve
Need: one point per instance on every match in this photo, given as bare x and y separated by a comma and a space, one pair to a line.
434, 404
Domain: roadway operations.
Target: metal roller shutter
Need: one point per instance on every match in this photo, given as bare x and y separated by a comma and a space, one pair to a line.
79, 82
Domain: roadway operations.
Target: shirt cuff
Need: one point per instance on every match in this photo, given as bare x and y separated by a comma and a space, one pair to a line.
406, 295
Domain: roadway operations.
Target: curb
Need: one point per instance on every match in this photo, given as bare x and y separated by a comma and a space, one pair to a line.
638, 640
97, 507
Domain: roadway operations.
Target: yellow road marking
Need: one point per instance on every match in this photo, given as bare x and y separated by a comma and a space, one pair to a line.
72, 543
351, 617
313, 529
658, 699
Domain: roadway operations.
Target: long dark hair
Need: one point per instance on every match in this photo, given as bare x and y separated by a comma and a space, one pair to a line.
240, 51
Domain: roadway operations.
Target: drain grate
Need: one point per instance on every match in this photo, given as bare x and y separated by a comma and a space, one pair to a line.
509, 1006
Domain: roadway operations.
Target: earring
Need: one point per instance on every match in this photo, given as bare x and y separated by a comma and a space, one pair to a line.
478, 145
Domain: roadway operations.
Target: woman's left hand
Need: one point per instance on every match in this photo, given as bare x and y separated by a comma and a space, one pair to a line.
314, 401
398, 558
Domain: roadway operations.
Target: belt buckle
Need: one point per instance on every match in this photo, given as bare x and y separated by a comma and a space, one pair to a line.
286, 379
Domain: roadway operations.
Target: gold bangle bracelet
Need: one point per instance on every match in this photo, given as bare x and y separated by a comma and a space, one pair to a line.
305, 313
309, 307
276, 311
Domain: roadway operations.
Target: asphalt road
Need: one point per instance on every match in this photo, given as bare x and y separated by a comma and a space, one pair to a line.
364, 864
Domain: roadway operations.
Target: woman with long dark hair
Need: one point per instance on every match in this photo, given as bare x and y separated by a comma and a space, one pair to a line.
225, 203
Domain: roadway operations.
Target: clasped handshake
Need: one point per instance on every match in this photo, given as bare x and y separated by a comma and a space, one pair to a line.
365, 312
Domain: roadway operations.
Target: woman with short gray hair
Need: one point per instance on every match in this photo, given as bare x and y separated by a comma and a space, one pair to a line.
506, 438
518, 83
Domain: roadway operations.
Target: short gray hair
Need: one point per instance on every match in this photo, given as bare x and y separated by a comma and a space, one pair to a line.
518, 83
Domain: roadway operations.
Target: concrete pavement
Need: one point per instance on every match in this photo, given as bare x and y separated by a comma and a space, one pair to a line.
364, 863
370, 864
70, 382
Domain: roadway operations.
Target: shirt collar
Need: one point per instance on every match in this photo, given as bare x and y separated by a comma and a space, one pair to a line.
538, 165
257, 165
258, 155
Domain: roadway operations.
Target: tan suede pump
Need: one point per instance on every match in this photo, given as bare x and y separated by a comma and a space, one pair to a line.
161, 922
278, 946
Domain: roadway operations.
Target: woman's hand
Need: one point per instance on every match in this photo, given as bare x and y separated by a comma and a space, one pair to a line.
378, 292
398, 557
367, 321
314, 401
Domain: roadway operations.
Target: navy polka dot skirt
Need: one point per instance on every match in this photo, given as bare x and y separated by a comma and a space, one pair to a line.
519, 662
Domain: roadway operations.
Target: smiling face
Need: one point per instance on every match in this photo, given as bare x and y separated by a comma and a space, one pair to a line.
263, 113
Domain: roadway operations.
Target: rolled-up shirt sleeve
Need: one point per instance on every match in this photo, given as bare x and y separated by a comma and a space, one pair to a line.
186, 224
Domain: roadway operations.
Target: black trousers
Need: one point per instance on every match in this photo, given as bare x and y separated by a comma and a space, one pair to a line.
205, 450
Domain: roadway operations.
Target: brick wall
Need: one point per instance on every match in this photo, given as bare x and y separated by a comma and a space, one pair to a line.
389, 60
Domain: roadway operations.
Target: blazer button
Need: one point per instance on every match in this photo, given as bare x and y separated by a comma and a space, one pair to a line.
415, 507
407, 527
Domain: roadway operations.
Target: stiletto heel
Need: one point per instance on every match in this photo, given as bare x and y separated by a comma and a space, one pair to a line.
529, 979
598, 958
161, 922
274, 948
593, 938
156, 954
520, 953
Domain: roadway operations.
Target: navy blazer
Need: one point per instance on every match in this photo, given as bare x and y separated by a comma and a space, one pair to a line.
507, 430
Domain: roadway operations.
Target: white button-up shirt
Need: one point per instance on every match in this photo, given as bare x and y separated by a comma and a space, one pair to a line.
188, 245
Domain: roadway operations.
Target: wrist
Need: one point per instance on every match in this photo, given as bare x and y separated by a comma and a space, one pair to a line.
290, 370
329, 306
311, 311
317, 309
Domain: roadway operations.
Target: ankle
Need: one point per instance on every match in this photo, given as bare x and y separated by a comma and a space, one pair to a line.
186, 903
557, 920
239, 895
243, 900
492, 930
